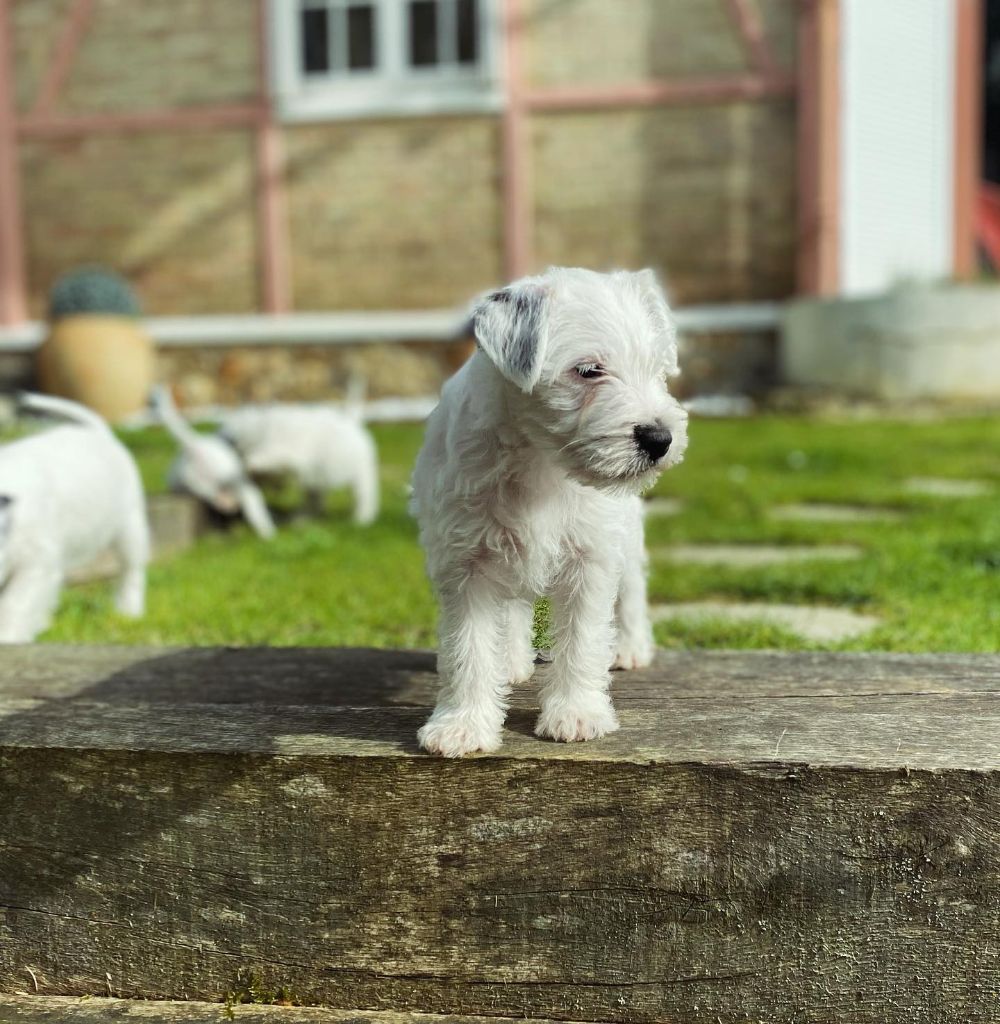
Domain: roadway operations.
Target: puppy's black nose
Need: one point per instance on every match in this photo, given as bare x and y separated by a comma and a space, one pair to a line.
653, 440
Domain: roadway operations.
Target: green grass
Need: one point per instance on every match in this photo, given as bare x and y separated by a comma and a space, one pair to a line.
933, 578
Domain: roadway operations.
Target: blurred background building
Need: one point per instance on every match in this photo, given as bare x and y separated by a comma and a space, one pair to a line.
236, 157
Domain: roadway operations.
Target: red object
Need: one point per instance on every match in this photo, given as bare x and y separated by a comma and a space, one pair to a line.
988, 221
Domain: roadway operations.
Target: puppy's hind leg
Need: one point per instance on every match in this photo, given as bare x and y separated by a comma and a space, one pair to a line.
635, 632
27, 602
520, 649
133, 551
472, 704
575, 701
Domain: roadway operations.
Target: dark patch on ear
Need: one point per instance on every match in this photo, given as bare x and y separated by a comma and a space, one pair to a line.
5, 501
509, 326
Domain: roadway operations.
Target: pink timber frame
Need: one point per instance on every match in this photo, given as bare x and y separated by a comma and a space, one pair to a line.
969, 27
764, 79
817, 86
273, 251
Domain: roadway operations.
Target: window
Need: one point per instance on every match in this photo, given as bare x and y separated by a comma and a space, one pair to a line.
341, 58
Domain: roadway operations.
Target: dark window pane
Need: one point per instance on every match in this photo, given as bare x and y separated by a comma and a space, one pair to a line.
468, 32
423, 32
361, 37
315, 40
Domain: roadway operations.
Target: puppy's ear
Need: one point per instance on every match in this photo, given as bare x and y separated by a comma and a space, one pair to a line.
654, 301
511, 327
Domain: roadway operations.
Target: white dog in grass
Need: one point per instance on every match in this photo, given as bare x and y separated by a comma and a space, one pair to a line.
322, 447
209, 468
68, 494
527, 484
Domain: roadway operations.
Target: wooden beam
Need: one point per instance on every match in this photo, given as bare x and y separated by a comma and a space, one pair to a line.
76, 21
199, 118
659, 92
243, 1005
767, 832
968, 115
819, 147
274, 253
13, 279
746, 20
517, 217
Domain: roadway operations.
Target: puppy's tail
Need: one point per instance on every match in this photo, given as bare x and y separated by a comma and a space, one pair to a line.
162, 403
355, 395
63, 408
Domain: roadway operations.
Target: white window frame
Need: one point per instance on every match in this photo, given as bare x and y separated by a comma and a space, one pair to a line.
392, 87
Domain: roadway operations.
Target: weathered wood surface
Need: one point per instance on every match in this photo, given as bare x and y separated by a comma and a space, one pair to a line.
36, 1009
770, 837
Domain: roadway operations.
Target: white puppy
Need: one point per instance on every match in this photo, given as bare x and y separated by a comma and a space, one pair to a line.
528, 483
323, 447
69, 494
210, 468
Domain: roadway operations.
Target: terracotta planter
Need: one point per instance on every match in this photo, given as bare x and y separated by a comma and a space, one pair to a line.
104, 362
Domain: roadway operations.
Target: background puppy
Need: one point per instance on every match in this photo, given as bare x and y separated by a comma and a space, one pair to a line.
69, 494
323, 447
210, 468
528, 484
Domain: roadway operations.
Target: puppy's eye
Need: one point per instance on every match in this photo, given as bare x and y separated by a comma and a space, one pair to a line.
590, 371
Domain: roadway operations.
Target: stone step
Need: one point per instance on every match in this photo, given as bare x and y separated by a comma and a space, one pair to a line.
766, 832
663, 507
175, 523
752, 556
948, 487
818, 623
826, 512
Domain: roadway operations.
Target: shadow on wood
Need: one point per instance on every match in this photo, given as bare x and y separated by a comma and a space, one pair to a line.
788, 836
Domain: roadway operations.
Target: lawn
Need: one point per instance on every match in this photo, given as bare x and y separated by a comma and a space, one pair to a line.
933, 577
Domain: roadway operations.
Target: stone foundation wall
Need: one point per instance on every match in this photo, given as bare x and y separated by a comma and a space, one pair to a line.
730, 363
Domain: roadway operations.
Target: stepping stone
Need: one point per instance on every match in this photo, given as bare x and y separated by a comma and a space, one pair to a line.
811, 622
823, 512
945, 487
663, 506
749, 556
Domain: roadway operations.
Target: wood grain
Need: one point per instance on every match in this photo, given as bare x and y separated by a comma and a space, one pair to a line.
770, 837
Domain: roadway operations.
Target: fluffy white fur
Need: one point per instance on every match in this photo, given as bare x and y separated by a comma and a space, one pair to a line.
68, 494
323, 447
211, 469
528, 484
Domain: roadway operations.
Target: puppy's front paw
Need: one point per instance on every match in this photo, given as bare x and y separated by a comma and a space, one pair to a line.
454, 733
578, 718
633, 653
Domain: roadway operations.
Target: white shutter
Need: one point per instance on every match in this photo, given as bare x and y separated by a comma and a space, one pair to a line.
897, 142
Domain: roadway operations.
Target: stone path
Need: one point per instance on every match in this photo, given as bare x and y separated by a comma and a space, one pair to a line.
945, 487
751, 556
826, 512
663, 507
820, 624
175, 522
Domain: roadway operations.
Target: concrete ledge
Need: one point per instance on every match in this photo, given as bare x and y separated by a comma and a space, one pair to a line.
769, 836
353, 327
913, 342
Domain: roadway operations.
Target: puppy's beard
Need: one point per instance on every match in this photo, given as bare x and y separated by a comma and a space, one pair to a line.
616, 463
608, 464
